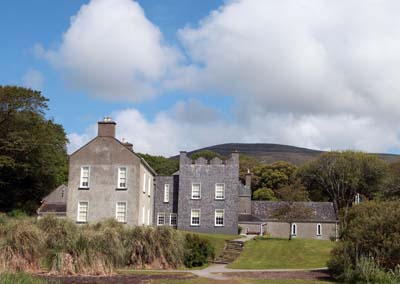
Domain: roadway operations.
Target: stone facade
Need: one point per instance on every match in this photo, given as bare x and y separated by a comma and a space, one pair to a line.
208, 175
104, 156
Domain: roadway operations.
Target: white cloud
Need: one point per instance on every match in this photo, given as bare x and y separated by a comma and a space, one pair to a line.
307, 57
33, 79
168, 133
112, 50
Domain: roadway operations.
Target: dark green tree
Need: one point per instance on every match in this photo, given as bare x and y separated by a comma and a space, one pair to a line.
341, 175
33, 157
206, 154
162, 165
264, 194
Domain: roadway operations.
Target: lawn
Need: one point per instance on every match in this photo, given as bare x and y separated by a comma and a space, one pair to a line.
218, 241
273, 253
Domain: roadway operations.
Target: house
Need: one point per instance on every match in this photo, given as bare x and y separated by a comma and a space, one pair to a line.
107, 179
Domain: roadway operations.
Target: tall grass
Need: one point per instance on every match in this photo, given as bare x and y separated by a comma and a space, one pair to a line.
62, 247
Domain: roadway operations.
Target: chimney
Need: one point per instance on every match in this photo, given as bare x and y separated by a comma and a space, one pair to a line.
106, 127
128, 145
248, 179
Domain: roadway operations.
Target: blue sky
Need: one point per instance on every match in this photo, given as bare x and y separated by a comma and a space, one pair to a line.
177, 75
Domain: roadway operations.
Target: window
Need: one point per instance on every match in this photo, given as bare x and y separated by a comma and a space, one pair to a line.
219, 191
196, 191
160, 219
319, 230
219, 217
172, 219
83, 209
195, 217
148, 216
166, 193
149, 186
144, 183
121, 212
294, 229
143, 217
85, 171
122, 174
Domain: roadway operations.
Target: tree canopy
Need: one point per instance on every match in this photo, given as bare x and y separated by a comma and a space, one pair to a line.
162, 165
342, 175
33, 157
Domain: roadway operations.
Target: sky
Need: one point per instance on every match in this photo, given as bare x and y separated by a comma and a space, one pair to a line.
179, 75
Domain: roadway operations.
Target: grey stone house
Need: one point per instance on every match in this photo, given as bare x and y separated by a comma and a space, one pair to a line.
107, 179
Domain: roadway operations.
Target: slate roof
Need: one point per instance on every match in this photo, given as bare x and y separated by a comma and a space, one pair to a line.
55, 202
323, 211
249, 218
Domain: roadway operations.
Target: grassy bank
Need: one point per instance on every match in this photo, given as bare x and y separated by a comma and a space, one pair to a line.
273, 253
20, 278
241, 281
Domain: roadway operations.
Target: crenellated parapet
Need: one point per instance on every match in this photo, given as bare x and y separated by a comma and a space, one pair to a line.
184, 159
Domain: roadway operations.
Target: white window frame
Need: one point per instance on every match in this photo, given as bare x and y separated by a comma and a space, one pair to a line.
196, 197
170, 219
166, 193
119, 178
149, 186
144, 182
191, 218
87, 211
319, 230
223, 192
159, 214
223, 218
81, 179
148, 216
293, 232
143, 215
126, 211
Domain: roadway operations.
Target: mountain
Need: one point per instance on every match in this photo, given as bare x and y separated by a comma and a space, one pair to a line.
270, 153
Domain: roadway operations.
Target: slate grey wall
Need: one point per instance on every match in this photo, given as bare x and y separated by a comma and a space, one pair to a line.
208, 174
165, 207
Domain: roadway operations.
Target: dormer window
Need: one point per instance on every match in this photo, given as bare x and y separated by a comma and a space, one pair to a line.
85, 172
122, 178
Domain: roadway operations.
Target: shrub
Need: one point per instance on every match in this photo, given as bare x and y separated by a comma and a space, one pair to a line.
197, 251
372, 233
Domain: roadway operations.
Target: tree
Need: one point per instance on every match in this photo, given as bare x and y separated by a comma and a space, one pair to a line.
264, 194
292, 208
162, 165
341, 175
206, 154
275, 175
33, 157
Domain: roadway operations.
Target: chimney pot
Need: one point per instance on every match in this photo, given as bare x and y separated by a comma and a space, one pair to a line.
106, 128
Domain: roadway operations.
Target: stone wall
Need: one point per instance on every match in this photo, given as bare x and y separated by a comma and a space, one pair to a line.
208, 174
166, 207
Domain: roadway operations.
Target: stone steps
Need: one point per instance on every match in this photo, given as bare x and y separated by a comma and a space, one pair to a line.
231, 251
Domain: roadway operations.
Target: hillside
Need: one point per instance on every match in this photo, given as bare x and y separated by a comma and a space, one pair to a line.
270, 153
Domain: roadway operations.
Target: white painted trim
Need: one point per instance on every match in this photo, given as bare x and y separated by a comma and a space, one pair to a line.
223, 218
158, 216
126, 211
295, 229
119, 176
319, 234
170, 219
87, 212
144, 182
80, 180
166, 190
191, 217
199, 190
219, 198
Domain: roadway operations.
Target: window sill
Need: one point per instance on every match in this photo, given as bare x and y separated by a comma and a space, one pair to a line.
122, 188
195, 198
219, 199
219, 226
83, 188
191, 225
81, 222
165, 202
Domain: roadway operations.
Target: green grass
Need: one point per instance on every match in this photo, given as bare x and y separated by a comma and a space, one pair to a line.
202, 280
273, 253
20, 278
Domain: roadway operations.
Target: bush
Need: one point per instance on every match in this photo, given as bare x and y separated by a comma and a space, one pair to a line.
197, 251
372, 234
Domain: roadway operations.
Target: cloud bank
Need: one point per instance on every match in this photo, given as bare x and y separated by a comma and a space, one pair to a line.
318, 74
